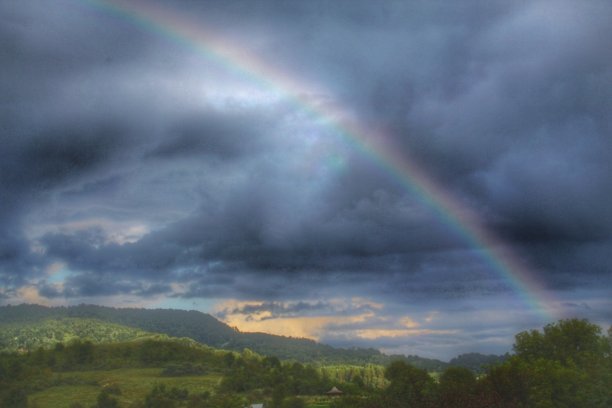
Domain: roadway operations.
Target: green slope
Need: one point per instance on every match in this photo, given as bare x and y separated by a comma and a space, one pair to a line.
47, 333
134, 383
177, 323
477, 362
205, 329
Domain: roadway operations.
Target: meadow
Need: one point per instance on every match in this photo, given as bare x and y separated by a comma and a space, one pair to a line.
566, 365
134, 384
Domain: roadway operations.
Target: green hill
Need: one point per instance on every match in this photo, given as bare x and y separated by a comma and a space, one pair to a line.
477, 362
47, 333
205, 329
567, 364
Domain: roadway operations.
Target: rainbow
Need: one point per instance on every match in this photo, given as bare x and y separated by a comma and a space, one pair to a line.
370, 142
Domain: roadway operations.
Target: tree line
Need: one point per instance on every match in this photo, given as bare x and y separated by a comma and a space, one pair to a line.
567, 364
28, 322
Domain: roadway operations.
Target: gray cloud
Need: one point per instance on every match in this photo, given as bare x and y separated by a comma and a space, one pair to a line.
148, 169
276, 309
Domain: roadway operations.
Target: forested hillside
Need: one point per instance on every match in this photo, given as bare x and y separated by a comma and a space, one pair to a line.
205, 329
566, 365
476, 362
177, 323
47, 333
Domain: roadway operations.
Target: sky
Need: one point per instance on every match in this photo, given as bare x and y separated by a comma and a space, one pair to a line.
422, 177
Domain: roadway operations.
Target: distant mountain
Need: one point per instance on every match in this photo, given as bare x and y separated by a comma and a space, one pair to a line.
476, 362
205, 329
429, 364
198, 326
177, 323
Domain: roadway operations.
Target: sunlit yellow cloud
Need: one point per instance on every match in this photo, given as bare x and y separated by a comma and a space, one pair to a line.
431, 316
350, 318
30, 294
408, 322
312, 327
308, 327
373, 334
114, 232
361, 302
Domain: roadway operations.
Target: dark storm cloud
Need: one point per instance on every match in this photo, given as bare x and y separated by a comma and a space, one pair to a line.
87, 284
31, 166
241, 235
59, 155
46, 142
70, 119
523, 86
225, 136
147, 169
505, 103
95, 187
541, 105
276, 309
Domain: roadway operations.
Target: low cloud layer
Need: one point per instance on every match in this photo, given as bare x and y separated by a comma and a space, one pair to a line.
137, 168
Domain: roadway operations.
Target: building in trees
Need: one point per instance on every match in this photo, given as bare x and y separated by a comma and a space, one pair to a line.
334, 392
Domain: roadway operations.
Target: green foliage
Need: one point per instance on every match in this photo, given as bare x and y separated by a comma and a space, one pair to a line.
428, 364
80, 352
568, 342
369, 376
294, 402
36, 326
134, 383
252, 372
182, 369
15, 397
476, 362
29, 335
410, 386
162, 397
84, 355
106, 400
278, 396
302, 350
457, 388
176, 323
225, 401
24, 374
568, 364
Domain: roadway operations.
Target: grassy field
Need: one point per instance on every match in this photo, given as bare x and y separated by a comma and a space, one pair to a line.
317, 405
134, 385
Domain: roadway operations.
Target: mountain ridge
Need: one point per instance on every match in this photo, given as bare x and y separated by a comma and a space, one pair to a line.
206, 329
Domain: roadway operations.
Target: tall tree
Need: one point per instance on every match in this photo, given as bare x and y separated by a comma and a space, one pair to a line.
457, 387
410, 386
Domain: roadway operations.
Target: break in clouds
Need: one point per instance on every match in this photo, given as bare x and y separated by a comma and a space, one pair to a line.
137, 170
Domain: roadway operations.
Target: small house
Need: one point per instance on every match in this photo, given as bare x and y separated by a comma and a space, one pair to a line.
334, 392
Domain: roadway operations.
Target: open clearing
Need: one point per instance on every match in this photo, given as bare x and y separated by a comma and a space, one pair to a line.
134, 384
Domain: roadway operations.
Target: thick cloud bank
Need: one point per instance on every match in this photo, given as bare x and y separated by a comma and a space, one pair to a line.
136, 169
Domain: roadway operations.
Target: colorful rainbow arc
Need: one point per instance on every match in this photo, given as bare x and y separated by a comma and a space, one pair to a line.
460, 218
